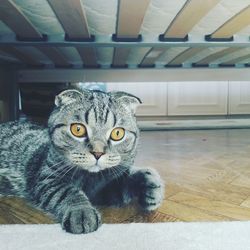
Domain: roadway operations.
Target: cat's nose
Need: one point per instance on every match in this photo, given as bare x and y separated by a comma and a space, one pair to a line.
97, 154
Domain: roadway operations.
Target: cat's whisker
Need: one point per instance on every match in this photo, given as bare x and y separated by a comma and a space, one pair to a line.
56, 164
116, 173
62, 173
68, 169
122, 169
74, 173
48, 181
53, 172
47, 177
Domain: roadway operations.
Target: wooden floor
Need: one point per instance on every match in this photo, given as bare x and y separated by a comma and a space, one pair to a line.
207, 176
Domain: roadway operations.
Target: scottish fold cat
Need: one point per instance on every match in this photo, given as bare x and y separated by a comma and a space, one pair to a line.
84, 158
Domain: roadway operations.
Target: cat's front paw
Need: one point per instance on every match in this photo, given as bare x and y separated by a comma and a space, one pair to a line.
151, 191
81, 219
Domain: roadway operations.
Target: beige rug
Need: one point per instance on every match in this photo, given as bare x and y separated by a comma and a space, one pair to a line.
158, 236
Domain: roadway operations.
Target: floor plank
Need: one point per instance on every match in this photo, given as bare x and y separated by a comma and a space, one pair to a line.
185, 212
217, 207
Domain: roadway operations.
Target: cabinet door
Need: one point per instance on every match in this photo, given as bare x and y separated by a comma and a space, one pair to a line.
197, 98
239, 97
153, 96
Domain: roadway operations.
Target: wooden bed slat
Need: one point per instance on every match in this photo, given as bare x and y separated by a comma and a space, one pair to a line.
55, 56
88, 56
182, 57
188, 17
72, 17
129, 20
233, 25
13, 17
23, 57
130, 17
151, 56
237, 60
120, 56
217, 55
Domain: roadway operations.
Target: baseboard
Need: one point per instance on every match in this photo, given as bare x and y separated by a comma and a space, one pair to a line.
195, 124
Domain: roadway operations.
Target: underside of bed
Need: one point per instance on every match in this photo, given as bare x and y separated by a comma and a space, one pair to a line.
83, 34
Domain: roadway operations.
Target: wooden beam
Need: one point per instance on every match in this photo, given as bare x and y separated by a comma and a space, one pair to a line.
130, 17
55, 56
120, 56
217, 55
182, 57
190, 14
233, 25
13, 17
72, 17
151, 56
135, 75
20, 55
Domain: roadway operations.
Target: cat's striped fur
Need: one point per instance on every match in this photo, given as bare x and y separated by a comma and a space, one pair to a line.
58, 173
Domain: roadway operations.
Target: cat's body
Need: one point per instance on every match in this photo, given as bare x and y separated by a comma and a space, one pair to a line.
84, 158
19, 143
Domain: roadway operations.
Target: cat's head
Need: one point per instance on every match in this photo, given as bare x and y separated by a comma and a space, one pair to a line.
95, 130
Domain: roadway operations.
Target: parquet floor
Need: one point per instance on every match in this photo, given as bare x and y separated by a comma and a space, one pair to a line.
207, 176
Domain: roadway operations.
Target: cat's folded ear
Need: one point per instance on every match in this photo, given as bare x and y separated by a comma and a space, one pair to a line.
126, 99
68, 96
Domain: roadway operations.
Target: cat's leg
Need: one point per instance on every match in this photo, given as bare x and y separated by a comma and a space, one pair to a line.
148, 186
143, 184
69, 205
115, 193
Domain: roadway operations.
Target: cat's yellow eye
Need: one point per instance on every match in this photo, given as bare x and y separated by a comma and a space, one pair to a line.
117, 134
78, 130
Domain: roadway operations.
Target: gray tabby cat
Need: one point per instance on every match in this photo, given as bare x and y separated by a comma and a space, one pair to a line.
84, 158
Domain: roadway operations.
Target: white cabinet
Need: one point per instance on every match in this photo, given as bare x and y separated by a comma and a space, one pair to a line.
197, 98
239, 98
189, 98
153, 96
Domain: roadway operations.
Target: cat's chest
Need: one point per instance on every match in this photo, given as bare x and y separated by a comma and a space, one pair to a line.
93, 184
